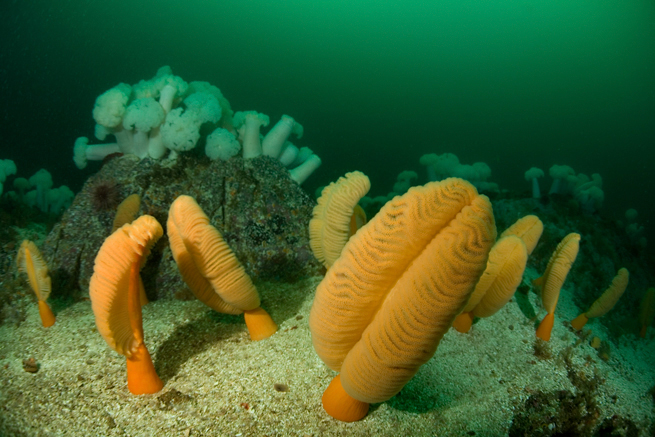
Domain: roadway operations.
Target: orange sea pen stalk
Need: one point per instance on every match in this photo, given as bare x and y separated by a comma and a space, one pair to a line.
47, 316
357, 220
259, 323
141, 375
340, 405
126, 211
463, 322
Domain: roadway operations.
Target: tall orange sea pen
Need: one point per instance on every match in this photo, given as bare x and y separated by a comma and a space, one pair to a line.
391, 295
114, 291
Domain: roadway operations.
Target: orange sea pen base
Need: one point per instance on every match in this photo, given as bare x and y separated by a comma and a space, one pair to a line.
259, 323
141, 375
463, 322
546, 326
47, 316
340, 405
579, 322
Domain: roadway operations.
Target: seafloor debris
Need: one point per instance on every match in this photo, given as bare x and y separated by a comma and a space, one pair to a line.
30, 365
281, 387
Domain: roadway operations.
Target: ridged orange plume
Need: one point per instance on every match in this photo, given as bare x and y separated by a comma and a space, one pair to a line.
114, 292
498, 283
553, 278
647, 312
210, 268
330, 226
528, 229
383, 307
503, 275
606, 301
127, 211
30, 262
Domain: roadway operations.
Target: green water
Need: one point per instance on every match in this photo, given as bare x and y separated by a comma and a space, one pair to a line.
376, 84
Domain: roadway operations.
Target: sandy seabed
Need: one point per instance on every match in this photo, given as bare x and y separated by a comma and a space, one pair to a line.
220, 383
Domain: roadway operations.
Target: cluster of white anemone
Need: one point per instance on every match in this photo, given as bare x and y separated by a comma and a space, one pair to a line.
37, 191
163, 116
588, 191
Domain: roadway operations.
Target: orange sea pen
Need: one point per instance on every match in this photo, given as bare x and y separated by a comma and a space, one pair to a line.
31, 263
114, 290
498, 283
391, 295
211, 270
126, 211
337, 216
606, 301
553, 278
504, 271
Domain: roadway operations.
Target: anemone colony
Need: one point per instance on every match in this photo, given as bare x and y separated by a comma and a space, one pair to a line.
164, 116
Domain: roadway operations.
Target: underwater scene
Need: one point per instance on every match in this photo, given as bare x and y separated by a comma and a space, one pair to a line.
343, 218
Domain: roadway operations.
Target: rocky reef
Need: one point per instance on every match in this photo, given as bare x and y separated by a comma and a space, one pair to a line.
260, 211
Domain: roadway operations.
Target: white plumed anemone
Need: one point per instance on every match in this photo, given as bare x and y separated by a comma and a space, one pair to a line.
289, 154
303, 171
248, 123
274, 141
83, 152
142, 116
532, 176
222, 145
